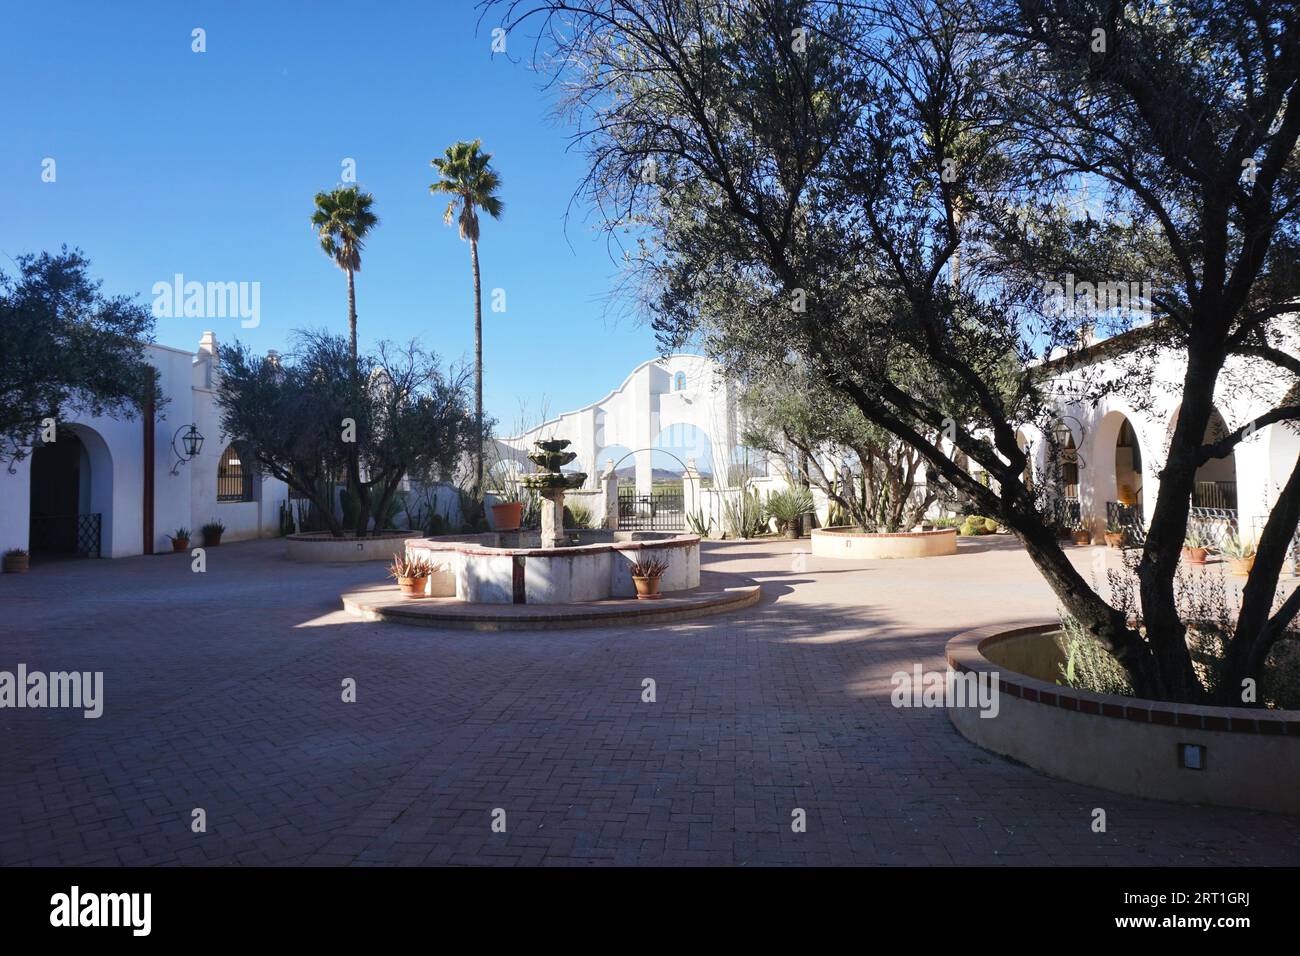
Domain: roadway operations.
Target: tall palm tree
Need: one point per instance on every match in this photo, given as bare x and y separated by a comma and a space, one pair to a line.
343, 219
472, 185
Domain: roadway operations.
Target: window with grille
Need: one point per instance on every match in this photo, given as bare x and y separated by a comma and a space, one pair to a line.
234, 478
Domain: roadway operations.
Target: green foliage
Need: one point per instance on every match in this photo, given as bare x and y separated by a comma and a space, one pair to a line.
1088, 664
789, 505
577, 516
744, 515
213, 528
699, 524
1234, 547
409, 419
67, 349
977, 525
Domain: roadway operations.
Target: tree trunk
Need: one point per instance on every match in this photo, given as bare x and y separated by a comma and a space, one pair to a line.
478, 370
1254, 638
1165, 630
352, 317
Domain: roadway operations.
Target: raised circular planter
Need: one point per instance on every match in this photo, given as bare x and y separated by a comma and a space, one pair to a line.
478, 569
321, 547
1247, 758
841, 542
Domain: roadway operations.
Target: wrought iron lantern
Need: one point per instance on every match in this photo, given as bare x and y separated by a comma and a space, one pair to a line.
192, 443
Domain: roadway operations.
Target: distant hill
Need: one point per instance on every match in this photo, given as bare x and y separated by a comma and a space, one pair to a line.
657, 474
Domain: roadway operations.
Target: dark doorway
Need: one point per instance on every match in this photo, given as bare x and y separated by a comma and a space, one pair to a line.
56, 496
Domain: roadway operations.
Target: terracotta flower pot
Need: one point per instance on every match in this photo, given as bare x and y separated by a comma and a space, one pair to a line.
413, 587
506, 516
1081, 537
647, 589
180, 544
1241, 566
212, 540
1115, 539
17, 563
1194, 555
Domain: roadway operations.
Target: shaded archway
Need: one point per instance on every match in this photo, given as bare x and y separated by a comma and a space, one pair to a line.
71, 500
1117, 481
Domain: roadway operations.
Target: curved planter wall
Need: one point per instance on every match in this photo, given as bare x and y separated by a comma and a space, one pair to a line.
320, 547
1250, 758
863, 546
475, 571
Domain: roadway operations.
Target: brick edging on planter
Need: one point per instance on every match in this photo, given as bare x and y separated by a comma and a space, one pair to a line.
844, 531
964, 655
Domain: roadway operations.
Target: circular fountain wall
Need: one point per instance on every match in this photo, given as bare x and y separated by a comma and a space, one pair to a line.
512, 568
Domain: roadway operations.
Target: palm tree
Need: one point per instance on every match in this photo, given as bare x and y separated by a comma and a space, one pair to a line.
343, 218
472, 185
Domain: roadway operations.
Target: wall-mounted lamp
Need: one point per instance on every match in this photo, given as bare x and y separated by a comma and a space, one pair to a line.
192, 443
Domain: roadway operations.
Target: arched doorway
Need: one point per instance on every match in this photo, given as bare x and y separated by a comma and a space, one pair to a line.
1118, 482
71, 495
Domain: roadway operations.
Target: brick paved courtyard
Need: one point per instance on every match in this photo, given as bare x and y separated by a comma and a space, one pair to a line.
222, 691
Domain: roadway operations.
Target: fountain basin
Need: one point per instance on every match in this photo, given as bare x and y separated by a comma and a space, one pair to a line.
512, 568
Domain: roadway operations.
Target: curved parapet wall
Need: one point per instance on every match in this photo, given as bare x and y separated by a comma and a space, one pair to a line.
840, 542
478, 570
1243, 758
322, 547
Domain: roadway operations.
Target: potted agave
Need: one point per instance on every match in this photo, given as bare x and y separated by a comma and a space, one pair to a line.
1195, 547
16, 561
411, 575
1240, 555
645, 576
1116, 535
180, 540
1080, 534
212, 532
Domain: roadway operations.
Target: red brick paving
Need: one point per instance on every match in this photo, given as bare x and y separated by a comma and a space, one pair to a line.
222, 691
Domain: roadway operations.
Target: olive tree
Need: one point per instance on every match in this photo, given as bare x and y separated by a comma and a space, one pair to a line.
871, 188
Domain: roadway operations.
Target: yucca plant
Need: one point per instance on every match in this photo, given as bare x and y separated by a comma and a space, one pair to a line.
651, 567
788, 508
1237, 549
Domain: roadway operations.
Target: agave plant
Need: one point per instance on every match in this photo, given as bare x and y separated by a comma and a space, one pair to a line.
1237, 549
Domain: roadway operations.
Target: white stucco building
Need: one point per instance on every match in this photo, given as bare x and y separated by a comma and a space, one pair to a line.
114, 487
632, 421
1116, 447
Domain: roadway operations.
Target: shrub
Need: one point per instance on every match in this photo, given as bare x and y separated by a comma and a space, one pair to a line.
789, 506
1088, 665
577, 516
990, 526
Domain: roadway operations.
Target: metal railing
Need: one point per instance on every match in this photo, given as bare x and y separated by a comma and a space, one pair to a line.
67, 534
1214, 525
1220, 495
1128, 517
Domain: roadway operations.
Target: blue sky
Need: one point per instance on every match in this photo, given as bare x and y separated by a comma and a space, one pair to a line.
170, 161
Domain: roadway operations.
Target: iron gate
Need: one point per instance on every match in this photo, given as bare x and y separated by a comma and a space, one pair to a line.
662, 510
55, 534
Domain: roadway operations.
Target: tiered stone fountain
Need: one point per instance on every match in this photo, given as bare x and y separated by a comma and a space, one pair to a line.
551, 484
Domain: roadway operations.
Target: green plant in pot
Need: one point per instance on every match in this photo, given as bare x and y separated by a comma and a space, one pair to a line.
212, 532
1081, 533
1240, 555
1116, 535
180, 540
1195, 546
411, 574
646, 572
788, 508
16, 561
